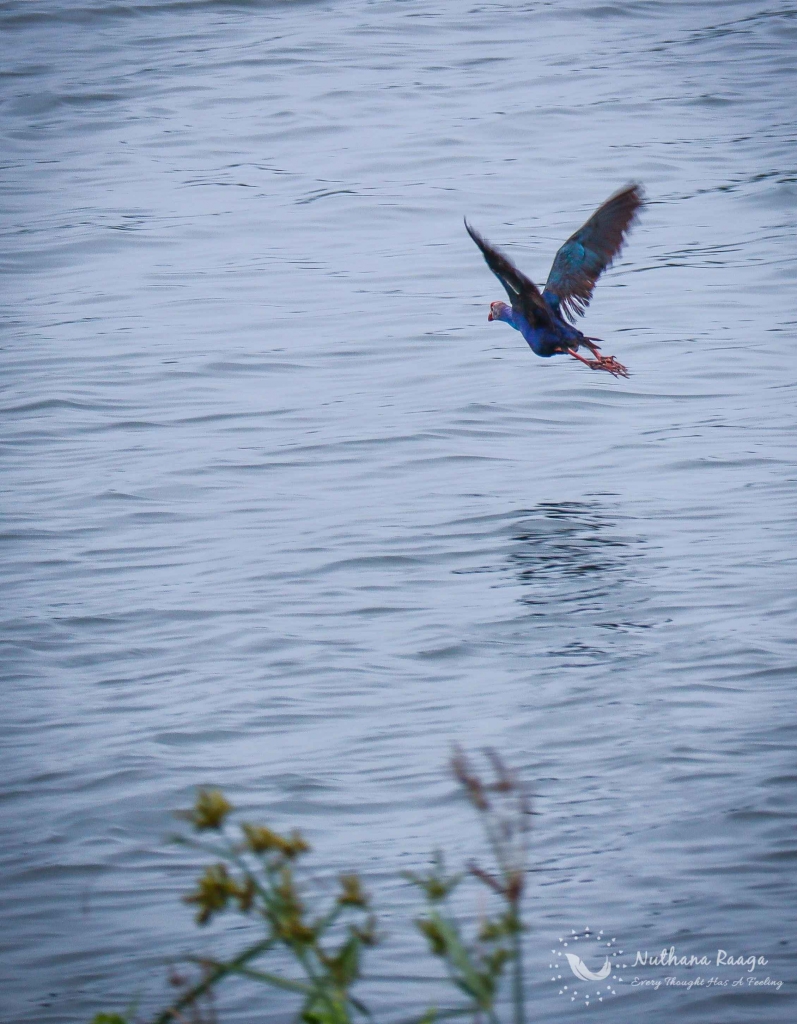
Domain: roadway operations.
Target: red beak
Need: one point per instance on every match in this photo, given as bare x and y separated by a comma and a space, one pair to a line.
490, 315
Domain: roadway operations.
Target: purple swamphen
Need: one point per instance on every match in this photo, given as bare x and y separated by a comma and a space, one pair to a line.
540, 316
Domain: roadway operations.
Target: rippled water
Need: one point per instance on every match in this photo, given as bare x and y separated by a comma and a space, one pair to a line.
285, 514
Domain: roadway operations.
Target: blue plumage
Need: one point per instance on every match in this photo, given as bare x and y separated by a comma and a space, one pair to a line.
543, 317
543, 340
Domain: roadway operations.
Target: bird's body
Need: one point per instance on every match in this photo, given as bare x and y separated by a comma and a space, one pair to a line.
546, 340
542, 317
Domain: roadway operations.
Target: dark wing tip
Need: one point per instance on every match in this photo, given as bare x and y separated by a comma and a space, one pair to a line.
633, 186
630, 199
490, 254
474, 234
624, 207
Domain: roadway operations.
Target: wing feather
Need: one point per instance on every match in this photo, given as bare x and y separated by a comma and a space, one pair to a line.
586, 254
523, 293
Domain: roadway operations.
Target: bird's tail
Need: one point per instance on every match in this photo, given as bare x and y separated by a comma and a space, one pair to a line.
593, 344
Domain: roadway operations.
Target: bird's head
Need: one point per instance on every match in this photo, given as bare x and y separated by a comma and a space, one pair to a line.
499, 311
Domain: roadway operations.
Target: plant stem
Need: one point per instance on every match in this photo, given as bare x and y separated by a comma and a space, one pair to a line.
168, 1016
518, 996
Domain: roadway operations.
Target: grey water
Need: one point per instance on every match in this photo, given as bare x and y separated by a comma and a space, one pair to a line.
284, 514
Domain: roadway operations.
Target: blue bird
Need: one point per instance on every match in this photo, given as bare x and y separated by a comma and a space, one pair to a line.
542, 317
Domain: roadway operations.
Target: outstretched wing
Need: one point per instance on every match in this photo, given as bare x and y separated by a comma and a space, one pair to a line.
522, 291
587, 253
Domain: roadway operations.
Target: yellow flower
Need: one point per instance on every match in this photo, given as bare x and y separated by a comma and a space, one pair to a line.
210, 810
260, 839
245, 894
214, 889
295, 845
352, 894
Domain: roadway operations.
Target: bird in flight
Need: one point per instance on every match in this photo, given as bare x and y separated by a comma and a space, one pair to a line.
542, 317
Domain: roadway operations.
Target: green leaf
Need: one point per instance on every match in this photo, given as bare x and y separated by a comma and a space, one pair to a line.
325, 1009
345, 967
470, 980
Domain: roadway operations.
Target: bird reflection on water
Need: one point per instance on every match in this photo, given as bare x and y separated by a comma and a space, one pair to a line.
573, 553
557, 540
576, 567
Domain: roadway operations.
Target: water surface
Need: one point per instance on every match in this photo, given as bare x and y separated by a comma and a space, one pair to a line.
285, 514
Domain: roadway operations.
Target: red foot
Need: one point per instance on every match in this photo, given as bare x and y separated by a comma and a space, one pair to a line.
607, 363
